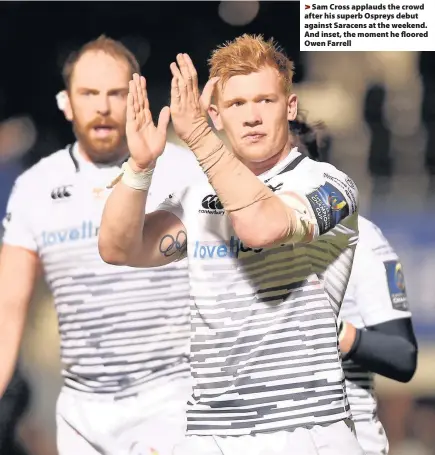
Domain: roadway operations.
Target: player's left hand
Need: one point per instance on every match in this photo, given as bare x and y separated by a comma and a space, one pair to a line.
188, 108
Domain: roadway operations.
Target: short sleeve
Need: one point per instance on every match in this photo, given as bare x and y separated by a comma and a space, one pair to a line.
326, 197
378, 284
176, 170
173, 204
16, 223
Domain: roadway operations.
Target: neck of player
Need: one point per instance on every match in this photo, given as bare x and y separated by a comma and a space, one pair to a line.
104, 159
260, 167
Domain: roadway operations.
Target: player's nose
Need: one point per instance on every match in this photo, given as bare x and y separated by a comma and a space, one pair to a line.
102, 104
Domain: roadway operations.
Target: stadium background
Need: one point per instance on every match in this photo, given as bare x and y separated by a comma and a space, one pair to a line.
379, 108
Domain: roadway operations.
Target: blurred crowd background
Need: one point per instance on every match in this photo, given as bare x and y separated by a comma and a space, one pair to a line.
378, 107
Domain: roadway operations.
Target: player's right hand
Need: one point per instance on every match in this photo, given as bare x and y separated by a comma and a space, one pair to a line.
146, 142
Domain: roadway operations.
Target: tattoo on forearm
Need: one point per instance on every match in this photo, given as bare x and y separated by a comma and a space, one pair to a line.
170, 245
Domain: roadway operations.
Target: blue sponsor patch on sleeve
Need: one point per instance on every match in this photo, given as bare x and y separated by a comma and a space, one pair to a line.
329, 205
396, 285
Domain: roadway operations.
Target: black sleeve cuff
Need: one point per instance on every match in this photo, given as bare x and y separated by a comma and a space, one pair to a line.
389, 349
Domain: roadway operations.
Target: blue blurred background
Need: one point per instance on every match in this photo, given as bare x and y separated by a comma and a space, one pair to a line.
379, 108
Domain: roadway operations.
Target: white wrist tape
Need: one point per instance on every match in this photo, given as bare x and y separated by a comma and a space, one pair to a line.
136, 180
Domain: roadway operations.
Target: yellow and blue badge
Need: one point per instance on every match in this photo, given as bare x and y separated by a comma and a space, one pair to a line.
396, 285
329, 206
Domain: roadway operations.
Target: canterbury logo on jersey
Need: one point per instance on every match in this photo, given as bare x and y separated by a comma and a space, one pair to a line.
212, 202
213, 206
61, 192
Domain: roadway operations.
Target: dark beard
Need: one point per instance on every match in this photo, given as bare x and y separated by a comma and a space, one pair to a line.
101, 152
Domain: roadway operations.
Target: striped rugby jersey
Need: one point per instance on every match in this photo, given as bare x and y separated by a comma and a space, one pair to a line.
264, 354
119, 327
375, 294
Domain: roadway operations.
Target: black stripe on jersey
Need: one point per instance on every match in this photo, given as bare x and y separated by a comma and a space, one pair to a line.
76, 163
73, 158
289, 167
292, 165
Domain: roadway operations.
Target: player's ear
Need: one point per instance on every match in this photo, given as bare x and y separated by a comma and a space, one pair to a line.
213, 112
292, 107
64, 104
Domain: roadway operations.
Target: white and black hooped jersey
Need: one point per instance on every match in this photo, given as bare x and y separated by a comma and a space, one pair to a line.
264, 354
119, 327
375, 294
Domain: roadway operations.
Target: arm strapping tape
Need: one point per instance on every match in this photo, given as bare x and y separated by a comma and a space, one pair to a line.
237, 187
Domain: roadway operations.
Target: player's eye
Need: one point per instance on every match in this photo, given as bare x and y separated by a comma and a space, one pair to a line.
119, 94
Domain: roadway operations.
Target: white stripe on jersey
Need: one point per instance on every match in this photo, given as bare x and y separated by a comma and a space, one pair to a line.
119, 327
367, 302
264, 353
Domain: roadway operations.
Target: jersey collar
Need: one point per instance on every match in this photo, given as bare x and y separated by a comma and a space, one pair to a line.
293, 158
80, 163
